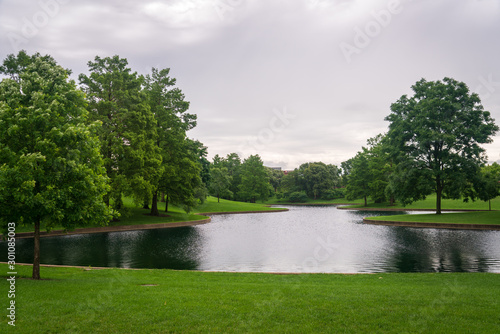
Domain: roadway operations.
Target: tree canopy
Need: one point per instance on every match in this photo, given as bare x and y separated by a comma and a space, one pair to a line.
435, 136
51, 170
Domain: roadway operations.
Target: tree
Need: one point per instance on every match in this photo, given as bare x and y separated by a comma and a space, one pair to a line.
359, 178
489, 186
220, 180
169, 108
254, 180
435, 135
51, 171
275, 177
128, 134
317, 179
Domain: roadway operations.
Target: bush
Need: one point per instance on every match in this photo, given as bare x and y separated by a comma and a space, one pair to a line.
333, 194
298, 197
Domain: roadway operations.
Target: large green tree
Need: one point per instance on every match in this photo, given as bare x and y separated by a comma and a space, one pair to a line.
168, 105
51, 170
129, 133
436, 135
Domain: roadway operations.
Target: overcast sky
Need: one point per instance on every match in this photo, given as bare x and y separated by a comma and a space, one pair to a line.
294, 81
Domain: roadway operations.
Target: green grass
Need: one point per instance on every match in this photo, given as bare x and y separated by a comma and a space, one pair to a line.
114, 301
430, 204
138, 216
483, 217
211, 205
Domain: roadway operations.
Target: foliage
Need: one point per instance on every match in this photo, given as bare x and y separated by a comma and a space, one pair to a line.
254, 180
435, 136
51, 171
488, 187
128, 134
232, 163
316, 179
220, 180
359, 178
298, 197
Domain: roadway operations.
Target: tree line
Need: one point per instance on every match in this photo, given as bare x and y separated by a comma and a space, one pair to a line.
70, 152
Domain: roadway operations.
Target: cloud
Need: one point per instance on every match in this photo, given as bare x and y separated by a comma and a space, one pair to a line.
238, 60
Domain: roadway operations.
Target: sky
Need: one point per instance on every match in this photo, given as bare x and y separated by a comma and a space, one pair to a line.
293, 81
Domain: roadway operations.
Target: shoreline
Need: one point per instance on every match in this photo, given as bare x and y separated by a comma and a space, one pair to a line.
482, 227
402, 209
126, 228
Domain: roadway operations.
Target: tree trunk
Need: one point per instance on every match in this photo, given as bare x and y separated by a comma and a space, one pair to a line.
439, 191
145, 205
489, 202
218, 200
36, 252
366, 203
154, 204
166, 203
162, 197
391, 201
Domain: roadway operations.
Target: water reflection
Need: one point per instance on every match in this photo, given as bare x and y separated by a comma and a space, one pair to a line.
305, 239
176, 248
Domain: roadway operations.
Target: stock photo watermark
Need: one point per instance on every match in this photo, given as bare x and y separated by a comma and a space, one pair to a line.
225, 8
487, 86
363, 36
280, 120
11, 273
30, 26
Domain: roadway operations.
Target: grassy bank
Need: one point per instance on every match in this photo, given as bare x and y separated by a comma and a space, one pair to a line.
483, 217
117, 301
430, 204
135, 215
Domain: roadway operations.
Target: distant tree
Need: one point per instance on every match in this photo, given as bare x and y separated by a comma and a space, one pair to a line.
220, 180
254, 180
381, 168
359, 178
128, 134
317, 179
489, 186
275, 177
436, 136
51, 171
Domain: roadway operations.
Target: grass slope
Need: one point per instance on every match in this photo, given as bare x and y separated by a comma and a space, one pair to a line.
483, 217
447, 204
115, 301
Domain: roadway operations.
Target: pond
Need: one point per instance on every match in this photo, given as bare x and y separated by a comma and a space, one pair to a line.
304, 239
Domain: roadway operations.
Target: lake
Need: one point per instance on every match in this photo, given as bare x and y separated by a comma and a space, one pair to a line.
304, 239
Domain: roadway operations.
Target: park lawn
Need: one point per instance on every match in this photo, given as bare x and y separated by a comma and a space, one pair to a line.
115, 301
430, 204
211, 205
478, 217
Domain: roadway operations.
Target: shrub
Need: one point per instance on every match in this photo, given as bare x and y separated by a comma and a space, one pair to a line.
298, 197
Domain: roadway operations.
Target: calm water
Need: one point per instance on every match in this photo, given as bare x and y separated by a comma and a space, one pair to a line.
304, 239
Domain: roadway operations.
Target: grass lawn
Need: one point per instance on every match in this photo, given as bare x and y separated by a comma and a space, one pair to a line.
211, 205
447, 204
137, 215
116, 301
482, 217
